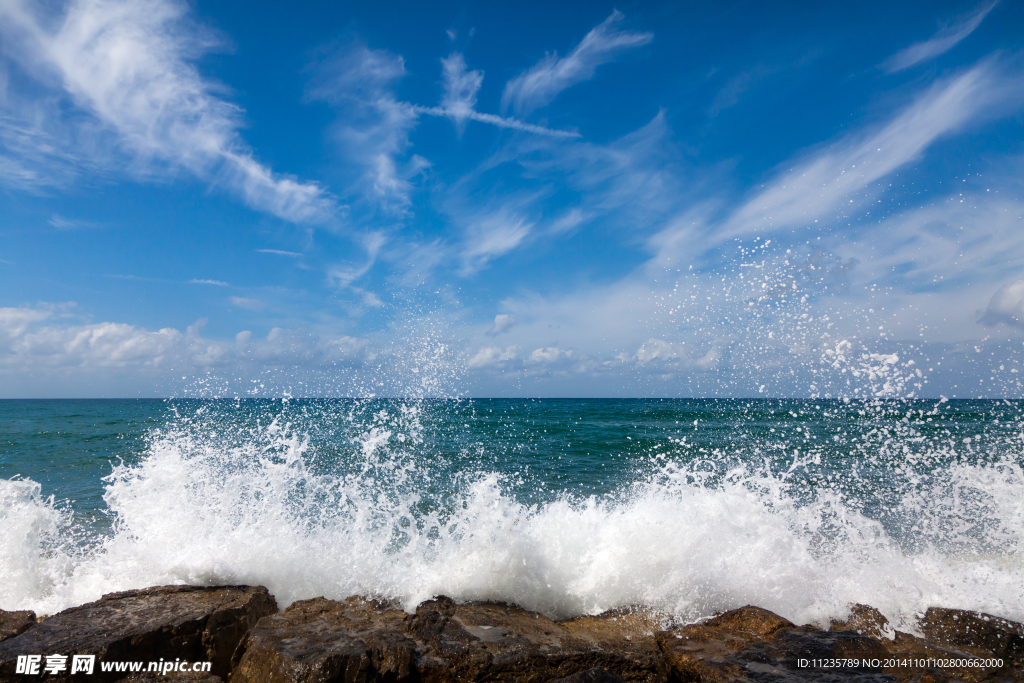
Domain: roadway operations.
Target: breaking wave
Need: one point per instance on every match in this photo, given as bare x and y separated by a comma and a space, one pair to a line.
912, 521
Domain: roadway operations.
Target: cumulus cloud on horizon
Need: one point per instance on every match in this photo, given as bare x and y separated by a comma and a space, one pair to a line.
50, 344
1006, 306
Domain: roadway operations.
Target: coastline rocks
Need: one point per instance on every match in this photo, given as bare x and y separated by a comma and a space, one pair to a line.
238, 630
15, 623
170, 622
357, 640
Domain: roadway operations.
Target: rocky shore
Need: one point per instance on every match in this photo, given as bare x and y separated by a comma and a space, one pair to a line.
239, 631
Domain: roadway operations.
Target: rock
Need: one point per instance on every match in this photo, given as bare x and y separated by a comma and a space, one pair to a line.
357, 641
596, 675
321, 641
15, 623
750, 620
172, 677
865, 620
753, 644
171, 622
237, 630
494, 641
976, 631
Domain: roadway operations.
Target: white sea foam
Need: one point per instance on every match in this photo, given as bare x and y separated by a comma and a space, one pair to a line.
256, 511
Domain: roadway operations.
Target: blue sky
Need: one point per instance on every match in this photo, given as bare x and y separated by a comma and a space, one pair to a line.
514, 199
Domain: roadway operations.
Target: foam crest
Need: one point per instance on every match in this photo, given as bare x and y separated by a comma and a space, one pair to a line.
33, 545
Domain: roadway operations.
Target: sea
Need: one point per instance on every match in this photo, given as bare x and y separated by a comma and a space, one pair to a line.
564, 506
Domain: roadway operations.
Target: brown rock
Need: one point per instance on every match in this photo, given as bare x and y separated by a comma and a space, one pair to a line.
172, 677
494, 641
750, 620
959, 628
596, 675
357, 641
15, 623
320, 641
753, 644
170, 622
865, 620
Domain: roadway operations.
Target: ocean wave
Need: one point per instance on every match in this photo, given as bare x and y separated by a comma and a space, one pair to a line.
259, 505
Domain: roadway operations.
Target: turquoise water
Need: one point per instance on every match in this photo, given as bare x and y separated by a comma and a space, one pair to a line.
567, 506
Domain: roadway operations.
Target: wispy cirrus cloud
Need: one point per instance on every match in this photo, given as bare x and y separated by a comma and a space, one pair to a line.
459, 101
129, 67
941, 42
539, 85
62, 223
825, 180
374, 130
344, 275
280, 252
491, 235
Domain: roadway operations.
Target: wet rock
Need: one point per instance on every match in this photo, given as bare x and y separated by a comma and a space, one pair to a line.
494, 641
865, 620
357, 641
321, 641
703, 652
753, 644
170, 622
172, 677
15, 623
596, 675
750, 620
975, 631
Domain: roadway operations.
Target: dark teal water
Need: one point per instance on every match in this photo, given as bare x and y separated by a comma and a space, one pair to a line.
897, 502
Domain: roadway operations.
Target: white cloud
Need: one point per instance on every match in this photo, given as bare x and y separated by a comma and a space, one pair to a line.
41, 353
541, 84
679, 355
963, 241
15, 321
492, 235
460, 88
503, 322
216, 283
569, 221
62, 223
1006, 306
459, 101
246, 303
826, 180
374, 134
638, 175
32, 158
279, 252
551, 354
375, 128
344, 275
493, 356
941, 42
131, 65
